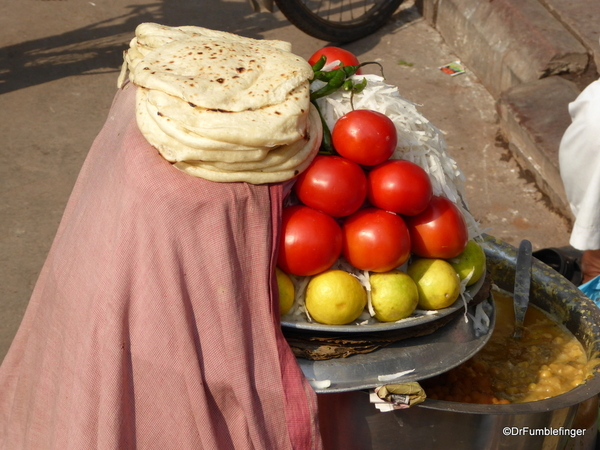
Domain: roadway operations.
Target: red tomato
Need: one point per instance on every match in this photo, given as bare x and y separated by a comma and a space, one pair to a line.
438, 232
335, 54
365, 137
310, 241
399, 186
334, 185
375, 240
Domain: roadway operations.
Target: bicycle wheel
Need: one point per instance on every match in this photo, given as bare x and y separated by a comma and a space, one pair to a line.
338, 20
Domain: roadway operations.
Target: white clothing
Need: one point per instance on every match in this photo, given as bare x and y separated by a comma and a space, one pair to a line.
579, 160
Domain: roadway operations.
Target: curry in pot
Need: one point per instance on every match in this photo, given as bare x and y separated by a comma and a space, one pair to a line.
547, 361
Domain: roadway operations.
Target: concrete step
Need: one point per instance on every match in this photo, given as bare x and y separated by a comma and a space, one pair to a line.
581, 19
525, 52
533, 117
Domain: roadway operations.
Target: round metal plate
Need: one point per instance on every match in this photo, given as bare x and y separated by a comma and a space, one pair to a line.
299, 321
420, 357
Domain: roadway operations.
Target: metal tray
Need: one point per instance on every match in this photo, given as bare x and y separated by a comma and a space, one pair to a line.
300, 322
424, 357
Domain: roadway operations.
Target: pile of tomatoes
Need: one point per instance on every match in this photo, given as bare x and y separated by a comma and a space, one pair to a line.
360, 204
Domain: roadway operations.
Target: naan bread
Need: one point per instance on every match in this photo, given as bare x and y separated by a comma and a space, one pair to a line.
273, 174
183, 145
270, 126
221, 106
150, 36
219, 71
285, 154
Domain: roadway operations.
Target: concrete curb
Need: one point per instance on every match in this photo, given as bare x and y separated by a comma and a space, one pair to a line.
580, 18
534, 116
519, 49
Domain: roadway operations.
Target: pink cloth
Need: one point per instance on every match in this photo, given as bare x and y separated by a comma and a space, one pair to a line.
154, 323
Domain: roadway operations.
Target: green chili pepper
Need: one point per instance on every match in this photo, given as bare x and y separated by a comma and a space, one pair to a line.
324, 75
359, 87
348, 85
326, 142
350, 70
334, 84
319, 64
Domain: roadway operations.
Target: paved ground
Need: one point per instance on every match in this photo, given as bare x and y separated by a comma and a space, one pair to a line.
59, 62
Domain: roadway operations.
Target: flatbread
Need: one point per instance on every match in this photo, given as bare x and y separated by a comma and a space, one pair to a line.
284, 158
150, 36
187, 137
272, 174
223, 74
270, 126
223, 107
153, 35
178, 149
285, 154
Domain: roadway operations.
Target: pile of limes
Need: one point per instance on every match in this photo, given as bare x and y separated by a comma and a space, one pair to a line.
336, 297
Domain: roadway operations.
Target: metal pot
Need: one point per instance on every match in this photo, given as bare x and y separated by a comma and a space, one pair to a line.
349, 421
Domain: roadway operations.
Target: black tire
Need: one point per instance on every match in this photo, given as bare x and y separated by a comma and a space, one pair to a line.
338, 21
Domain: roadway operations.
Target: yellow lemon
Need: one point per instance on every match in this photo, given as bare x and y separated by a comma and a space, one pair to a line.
394, 295
437, 282
335, 297
472, 258
286, 291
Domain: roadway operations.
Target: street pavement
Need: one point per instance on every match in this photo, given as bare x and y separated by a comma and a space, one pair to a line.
59, 62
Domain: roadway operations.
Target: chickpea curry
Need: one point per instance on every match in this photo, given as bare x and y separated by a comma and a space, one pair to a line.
547, 361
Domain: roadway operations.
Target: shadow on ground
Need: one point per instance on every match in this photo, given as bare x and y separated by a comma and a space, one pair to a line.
99, 47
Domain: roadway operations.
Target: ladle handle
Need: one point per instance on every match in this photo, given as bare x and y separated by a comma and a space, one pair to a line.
522, 284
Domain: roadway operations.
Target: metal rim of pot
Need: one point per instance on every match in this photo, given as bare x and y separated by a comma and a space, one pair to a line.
582, 320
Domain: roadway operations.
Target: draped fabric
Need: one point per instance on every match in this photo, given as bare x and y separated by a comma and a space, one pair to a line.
154, 323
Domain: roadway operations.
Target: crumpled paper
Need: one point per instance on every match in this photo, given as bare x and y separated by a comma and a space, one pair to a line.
397, 396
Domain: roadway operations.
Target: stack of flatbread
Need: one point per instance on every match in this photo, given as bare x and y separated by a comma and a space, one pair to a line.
221, 106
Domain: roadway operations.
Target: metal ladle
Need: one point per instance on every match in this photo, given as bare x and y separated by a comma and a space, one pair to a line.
522, 284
